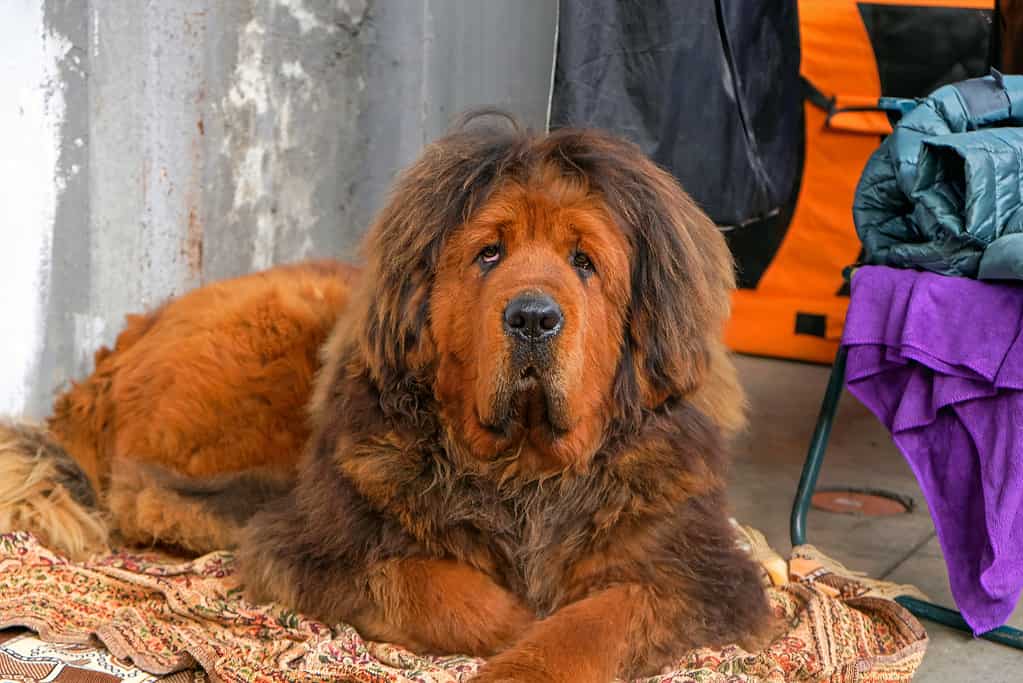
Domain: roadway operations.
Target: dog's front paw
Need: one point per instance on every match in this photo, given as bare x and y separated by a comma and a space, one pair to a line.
506, 672
526, 663
509, 621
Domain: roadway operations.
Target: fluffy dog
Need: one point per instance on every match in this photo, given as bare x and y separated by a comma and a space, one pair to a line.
516, 439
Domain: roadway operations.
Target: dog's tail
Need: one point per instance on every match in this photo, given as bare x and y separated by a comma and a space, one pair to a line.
42, 490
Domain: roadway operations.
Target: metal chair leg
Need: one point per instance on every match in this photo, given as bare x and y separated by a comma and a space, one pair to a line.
818, 445
1005, 635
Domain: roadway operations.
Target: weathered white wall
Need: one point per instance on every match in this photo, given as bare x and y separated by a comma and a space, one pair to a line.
31, 112
148, 147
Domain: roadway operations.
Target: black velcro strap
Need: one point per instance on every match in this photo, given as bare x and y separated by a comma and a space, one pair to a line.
847, 272
983, 96
816, 97
813, 324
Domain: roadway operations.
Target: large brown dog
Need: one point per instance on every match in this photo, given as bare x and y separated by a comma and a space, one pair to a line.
516, 439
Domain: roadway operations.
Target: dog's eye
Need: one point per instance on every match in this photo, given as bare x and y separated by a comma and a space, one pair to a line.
581, 261
490, 254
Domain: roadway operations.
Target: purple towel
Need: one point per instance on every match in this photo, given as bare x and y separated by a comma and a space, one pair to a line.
939, 360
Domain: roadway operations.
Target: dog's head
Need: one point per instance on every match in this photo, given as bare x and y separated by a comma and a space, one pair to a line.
539, 293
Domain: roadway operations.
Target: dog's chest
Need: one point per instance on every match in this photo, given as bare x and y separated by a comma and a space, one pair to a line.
530, 538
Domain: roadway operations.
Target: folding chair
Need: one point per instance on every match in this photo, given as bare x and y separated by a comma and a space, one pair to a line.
1005, 635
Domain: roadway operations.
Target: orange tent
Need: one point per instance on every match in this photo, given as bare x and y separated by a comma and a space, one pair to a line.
798, 306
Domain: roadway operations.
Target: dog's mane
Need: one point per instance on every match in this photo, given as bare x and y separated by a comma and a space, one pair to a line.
681, 272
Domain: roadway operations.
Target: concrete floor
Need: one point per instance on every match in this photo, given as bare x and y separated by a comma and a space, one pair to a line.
785, 399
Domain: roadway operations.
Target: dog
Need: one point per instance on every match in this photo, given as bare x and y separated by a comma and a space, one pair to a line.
504, 435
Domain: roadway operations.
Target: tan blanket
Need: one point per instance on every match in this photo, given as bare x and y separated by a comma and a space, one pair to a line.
163, 616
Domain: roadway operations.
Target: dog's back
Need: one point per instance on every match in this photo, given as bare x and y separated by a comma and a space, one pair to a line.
208, 385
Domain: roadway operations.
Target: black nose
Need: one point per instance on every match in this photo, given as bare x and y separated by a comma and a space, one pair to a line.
533, 317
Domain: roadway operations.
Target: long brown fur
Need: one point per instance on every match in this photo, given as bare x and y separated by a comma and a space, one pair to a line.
212, 383
610, 532
42, 490
559, 509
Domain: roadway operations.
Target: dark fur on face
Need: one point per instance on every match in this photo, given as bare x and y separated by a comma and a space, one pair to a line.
559, 507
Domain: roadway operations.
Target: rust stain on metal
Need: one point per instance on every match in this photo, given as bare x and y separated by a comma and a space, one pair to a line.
193, 242
192, 247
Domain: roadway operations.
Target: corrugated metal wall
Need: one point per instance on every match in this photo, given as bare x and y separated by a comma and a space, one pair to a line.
146, 148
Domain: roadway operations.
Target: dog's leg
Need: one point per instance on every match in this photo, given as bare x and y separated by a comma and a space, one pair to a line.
426, 605
146, 513
627, 630
151, 505
441, 606
589, 641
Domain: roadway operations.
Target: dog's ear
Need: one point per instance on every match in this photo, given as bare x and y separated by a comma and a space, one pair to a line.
682, 280
682, 271
429, 201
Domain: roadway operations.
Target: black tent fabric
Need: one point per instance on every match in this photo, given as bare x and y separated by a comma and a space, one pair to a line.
766, 111
710, 90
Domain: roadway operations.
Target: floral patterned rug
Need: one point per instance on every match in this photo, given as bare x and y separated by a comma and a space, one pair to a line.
24, 657
140, 616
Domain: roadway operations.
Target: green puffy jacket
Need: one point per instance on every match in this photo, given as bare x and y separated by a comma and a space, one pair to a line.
944, 192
